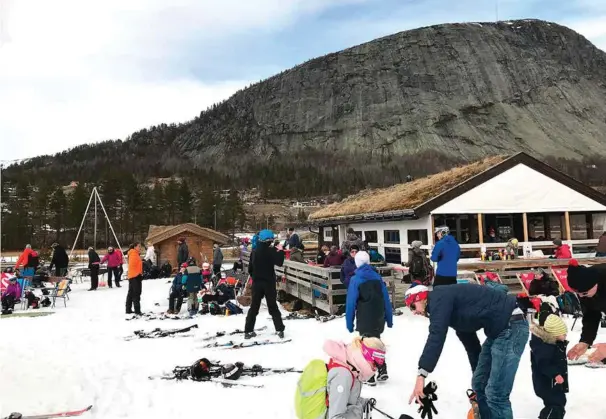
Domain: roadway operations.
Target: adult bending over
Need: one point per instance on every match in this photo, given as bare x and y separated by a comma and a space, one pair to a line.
468, 308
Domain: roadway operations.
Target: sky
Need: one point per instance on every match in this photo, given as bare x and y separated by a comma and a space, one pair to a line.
81, 71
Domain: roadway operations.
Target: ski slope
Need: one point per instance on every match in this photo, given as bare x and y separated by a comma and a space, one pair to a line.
78, 356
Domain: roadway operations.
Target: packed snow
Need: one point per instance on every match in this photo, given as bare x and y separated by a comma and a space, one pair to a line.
78, 356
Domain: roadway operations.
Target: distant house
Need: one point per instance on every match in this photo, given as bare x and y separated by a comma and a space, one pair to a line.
199, 240
517, 196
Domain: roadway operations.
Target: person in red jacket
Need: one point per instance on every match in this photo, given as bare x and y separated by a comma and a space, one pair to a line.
562, 250
29, 260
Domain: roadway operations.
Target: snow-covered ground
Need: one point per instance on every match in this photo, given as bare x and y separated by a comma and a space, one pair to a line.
78, 357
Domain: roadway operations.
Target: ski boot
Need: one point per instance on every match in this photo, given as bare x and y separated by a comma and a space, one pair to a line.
372, 381
280, 334
382, 373
249, 335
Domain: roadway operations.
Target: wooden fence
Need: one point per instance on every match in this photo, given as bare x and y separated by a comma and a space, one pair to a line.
320, 287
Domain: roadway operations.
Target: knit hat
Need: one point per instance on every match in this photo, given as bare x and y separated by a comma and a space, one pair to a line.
417, 244
582, 278
555, 326
362, 258
557, 242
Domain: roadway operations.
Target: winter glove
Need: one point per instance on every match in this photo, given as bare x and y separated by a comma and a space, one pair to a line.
427, 409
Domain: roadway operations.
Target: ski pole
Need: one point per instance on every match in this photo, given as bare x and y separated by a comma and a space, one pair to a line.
373, 405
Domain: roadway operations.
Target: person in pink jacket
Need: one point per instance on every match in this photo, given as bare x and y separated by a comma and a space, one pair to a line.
114, 262
11, 294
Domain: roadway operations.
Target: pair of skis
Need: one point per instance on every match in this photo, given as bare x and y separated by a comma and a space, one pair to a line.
318, 317
67, 414
159, 333
246, 344
222, 333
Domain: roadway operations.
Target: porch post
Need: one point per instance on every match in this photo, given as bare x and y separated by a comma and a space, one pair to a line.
567, 221
431, 233
525, 221
589, 221
480, 229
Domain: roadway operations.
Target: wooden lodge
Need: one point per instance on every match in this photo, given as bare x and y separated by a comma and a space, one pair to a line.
199, 241
517, 197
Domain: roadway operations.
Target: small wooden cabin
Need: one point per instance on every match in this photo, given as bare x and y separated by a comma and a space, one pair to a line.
199, 241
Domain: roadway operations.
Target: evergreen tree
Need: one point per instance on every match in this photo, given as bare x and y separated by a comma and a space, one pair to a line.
58, 209
184, 203
171, 198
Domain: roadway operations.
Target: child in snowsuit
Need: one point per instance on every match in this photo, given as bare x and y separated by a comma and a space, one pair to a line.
175, 299
368, 301
11, 294
549, 366
192, 280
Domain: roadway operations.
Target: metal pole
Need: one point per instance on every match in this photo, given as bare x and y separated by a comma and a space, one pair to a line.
82, 223
107, 218
95, 231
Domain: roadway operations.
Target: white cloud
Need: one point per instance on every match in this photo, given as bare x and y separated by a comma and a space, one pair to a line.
74, 71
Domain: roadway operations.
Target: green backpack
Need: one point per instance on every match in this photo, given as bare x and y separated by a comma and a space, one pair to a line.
311, 398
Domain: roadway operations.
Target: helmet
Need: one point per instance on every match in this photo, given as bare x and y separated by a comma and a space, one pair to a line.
200, 370
266, 235
231, 371
442, 229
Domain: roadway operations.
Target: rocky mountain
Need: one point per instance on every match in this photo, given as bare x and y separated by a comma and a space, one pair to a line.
414, 103
469, 90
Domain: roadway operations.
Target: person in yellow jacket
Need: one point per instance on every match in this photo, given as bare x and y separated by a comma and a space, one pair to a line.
135, 279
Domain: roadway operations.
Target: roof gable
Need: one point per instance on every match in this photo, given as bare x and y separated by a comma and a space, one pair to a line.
161, 233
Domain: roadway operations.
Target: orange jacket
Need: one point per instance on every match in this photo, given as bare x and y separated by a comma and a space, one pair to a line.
23, 258
135, 264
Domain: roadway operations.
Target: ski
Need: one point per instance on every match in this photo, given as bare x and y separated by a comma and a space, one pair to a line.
51, 415
243, 345
222, 333
258, 370
159, 333
227, 383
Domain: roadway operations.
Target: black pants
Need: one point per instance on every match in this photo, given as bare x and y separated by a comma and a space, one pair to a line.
116, 273
552, 412
217, 269
60, 271
175, 300
94, 277
260, 289
133, 297
8, 302
444, 280
470, 340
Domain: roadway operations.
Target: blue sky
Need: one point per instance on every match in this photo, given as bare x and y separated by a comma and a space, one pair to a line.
74, 71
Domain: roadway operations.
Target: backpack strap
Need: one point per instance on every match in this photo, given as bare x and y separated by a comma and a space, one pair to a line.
336, 364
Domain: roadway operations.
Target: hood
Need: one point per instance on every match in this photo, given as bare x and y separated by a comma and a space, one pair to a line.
542, 334
448, 239
368, 273
349, 356
352, 237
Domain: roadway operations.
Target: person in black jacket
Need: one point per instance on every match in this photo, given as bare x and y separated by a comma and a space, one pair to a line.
468, 308
60, 260
261, 269
93, 265
549, 366
589, 283
182, 251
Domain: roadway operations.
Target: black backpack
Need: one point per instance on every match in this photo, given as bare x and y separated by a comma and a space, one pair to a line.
417, 267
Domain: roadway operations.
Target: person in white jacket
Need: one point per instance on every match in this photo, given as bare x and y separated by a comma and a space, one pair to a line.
151, 254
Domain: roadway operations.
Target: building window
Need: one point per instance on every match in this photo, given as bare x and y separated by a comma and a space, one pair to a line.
371, 236
327, 233
417, 235
393, 255
391, 236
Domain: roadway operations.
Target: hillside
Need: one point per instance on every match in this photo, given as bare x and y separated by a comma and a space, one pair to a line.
415, 102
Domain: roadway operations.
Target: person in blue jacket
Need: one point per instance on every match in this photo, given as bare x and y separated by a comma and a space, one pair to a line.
368, 301
175, 298
469, 308
192, 282
446, 253
348, 269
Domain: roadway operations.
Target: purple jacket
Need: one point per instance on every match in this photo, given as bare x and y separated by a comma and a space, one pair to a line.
113, 259
14, 290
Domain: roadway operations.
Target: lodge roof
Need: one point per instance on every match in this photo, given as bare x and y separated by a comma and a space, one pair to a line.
159, 234
419, 197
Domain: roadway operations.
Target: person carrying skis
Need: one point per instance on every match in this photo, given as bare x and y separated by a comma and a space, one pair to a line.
589, 283
549, 366
446, 253
135, 279
332, 390
368, 301
175, 298
261, 268
349, 265
468, 308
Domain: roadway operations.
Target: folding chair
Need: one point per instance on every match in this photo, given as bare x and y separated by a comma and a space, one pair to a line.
525, 279
60, 291
488, 276
26, 285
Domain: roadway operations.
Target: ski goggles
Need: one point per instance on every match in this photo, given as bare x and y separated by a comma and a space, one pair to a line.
372, 355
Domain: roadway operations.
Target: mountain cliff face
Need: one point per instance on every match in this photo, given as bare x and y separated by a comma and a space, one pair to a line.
469, 90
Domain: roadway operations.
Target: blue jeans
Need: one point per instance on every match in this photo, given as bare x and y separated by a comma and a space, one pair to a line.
493, 378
